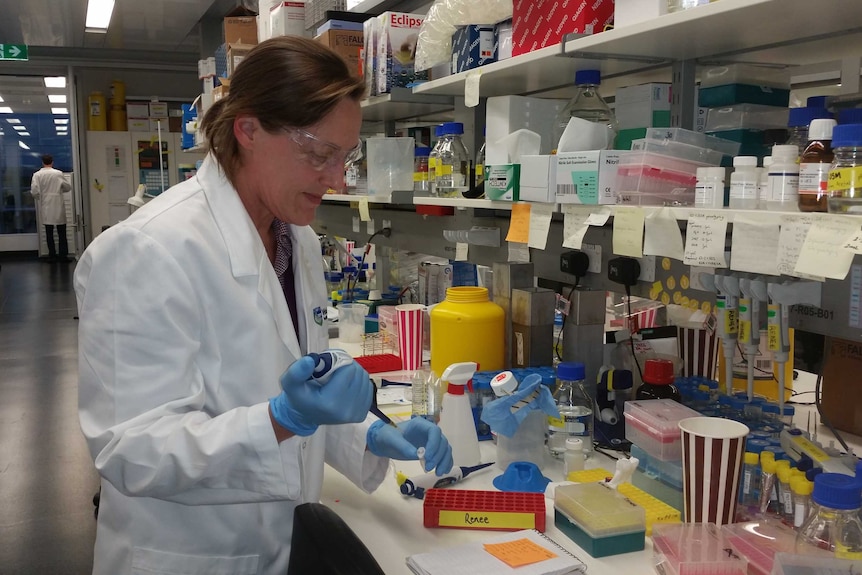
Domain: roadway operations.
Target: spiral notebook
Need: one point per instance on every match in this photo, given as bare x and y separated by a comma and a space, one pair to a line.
508, 548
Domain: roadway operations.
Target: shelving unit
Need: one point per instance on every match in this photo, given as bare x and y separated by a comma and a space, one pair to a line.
402, 104
397, 197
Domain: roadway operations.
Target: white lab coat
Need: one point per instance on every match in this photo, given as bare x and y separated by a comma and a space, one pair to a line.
184, 332
47, 187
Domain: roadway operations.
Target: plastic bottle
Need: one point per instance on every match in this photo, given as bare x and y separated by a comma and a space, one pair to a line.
785, 496
453, 164
576, 410
433, 156
845, 173
814, 162
709, 191
744, 183
800, 118
784, 179
801, 489
749, 493
587, 105
574, 457
420, 170
833, 523
763, 183
456, 416
477, 188
658, 381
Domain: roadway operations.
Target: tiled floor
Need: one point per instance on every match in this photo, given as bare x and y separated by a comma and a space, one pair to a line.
47, 478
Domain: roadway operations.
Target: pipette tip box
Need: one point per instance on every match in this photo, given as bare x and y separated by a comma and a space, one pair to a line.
486, 510
653, 425
693, 549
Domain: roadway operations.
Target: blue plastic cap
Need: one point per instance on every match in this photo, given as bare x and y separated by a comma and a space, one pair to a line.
421, 151
756, 445
588, 77
801, 117
770, 408
816, 102
847, 135
438, 130
571, 371
724, 400
837, 491
448, 128
850, 116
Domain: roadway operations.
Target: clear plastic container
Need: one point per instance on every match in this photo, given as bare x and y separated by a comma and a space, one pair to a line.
668, 472
709, 191
574, 457
814, 163
576, 410
649, 186
653, 425
845, 173
702, 156
420, 170
744, 183
784, 180
693, 548
587, 105
452, 173
833, 523
699, 139
745, 116
433, 157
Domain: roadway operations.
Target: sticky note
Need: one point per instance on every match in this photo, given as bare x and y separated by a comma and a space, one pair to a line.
471, 88
540, 225
754, 246
823, 250
575, 225
628, 232
364, 213
461, 249
704, 240
519, 224
794, 228
519, 552
662, 236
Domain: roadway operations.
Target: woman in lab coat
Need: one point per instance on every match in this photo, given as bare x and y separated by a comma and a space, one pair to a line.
190, 311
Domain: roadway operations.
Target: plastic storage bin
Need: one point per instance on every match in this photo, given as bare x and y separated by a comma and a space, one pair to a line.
694, 549
653, 426
758, 542
648, 186
726, 147
599, 519
688, 152
750, 116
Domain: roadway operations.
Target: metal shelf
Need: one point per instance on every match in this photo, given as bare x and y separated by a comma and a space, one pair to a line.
462, 203
403, 103
397, 197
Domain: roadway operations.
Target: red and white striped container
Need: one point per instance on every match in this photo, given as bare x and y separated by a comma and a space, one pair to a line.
411, 325
698, 349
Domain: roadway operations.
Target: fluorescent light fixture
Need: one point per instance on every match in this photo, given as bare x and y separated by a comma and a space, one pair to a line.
6, 110
60, 111
19, 128
57, 98
23, 145
59, 121
13, 120
23, 133
1, 98
55, 81
99, 15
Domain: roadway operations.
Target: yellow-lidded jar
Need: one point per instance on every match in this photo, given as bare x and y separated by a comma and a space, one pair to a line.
467, 326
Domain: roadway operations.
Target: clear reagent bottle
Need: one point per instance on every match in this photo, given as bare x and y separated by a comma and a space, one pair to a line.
845, 173
576, 410
833, 523
587, 122
453, 163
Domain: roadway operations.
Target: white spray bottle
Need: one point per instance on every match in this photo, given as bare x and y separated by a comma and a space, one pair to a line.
456, 417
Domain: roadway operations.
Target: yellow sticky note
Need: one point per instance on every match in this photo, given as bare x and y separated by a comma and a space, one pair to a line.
671, 283
461, 249
683, 282
628, 237
364, 213
519, 224
519, 552
665, 298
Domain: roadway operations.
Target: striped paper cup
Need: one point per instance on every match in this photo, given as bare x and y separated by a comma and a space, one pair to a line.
712, 450
411, 319
699, 351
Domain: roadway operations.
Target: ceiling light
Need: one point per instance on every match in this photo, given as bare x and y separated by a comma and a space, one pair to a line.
23, 145
1, 98
13, 120
60, 111
99, 15
55, 81
23, 133
60, 121
19, 128
57, 98
6, 110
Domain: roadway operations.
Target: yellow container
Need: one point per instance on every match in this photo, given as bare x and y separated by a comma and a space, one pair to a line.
98, 112
117, 118
118, 93
467, 326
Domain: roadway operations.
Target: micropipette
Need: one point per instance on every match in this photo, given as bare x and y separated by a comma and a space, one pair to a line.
417, 486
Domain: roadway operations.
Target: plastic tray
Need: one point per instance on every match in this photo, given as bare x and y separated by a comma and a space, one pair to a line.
487, 510
694, 549
648, 186
379, 363
699, 155
668, 472
599, 510
653, 426
726, 147
651, 159
746, 116
759, 541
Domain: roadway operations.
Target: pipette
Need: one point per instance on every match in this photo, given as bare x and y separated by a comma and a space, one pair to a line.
726, 302
417, 486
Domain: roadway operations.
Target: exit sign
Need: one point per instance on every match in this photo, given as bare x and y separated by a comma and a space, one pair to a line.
13, 52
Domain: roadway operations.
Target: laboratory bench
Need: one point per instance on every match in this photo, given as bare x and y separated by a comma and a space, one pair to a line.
391, 524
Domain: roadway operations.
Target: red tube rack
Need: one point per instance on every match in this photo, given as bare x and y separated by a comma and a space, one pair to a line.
487, 510
379, 363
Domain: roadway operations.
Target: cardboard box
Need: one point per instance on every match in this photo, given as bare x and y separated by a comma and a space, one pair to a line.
157, 124
538, 180
540, 23
370, 36
587, 177
643, 106
235, 55
504, 40
138, 124
240, 27
175, 124
220, 92
137, 110
396, 51
287, 19
628, 12
843, 360
158, 110
338, 25
473, 46
503, 182
347, 43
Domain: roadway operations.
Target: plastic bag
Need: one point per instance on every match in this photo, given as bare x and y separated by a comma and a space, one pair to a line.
435, 35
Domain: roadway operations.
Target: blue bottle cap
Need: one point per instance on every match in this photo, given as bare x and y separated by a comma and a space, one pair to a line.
588, 77
847, 135
850, 116
837, 491
801, 117
451, 128
421, 151
770, 408
756, 445
816, 102
438, 130
571, 371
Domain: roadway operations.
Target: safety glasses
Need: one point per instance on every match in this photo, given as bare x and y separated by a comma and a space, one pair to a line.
320, 154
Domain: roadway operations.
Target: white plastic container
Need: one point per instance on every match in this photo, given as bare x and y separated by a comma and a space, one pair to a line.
456, 416
784, 179
709, 192
744, 183
763, 183
652, 425
574, 458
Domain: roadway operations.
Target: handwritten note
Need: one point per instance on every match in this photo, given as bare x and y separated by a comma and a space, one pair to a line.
794, 228
519, 252
600, 217
854, 244
628, 232
823, 251
704, 240
519, 552
540, 224
575, 225
519, 224
662, 236
754, 246
461, 250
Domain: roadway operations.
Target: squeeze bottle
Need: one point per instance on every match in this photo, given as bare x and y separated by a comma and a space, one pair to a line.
456, 417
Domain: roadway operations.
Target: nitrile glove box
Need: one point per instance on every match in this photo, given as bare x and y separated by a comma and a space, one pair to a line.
643, 106
538, 178
587, 177
473, 46
502, 182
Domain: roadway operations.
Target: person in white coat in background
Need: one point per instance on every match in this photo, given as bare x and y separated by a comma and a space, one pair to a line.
196, 315
47, 187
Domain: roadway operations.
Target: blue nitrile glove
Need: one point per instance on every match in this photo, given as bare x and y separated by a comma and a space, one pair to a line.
499, 415
386, 441
305, 404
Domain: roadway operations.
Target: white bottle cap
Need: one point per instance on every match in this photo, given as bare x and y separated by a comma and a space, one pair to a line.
821, 129
710, 173
504, 383
741, 161
767, 161
574, 444
375, 295
784, 153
